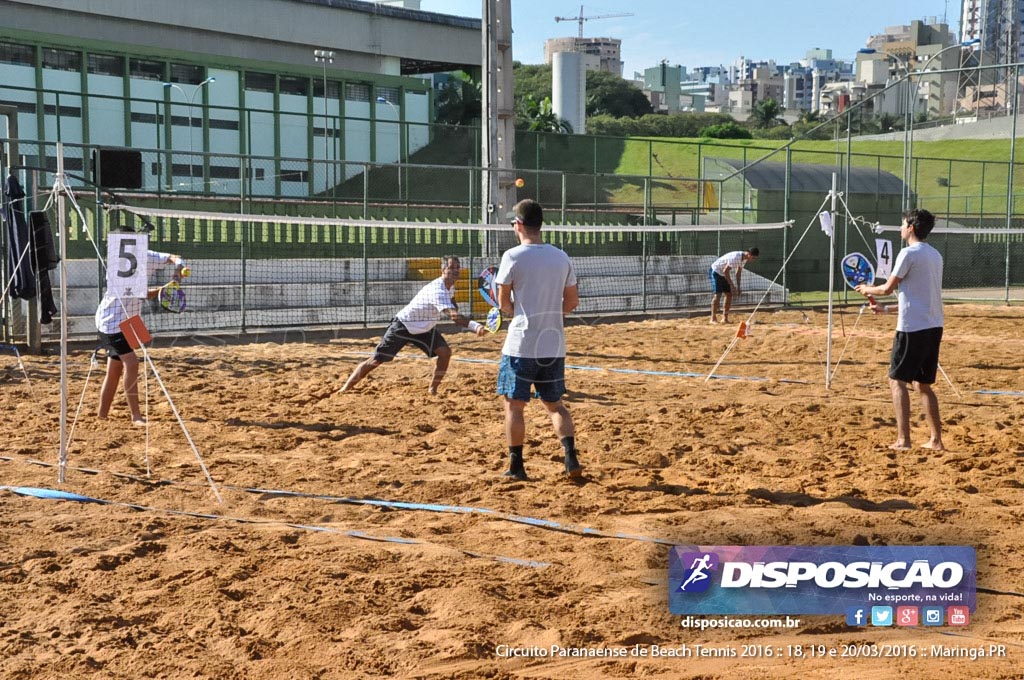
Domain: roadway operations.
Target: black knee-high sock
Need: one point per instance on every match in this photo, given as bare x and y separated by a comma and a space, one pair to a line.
569, 444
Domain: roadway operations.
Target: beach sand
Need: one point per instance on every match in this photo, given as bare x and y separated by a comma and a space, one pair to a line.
161, 580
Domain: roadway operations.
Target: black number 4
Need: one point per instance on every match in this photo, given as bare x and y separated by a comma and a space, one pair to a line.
128, 258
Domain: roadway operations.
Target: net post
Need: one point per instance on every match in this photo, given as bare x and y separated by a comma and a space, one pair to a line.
243, 243
785, 218
58, 188
1009, 179
831, 285
366, 278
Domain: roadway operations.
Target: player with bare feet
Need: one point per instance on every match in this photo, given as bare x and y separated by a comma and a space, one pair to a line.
915, 349
721, 275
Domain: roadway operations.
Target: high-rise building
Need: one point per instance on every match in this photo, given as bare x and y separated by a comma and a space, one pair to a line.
997, 24
607, 50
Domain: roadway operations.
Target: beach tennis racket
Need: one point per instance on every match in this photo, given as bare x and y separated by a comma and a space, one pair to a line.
172, 297
857, 269
493, 321
487, 286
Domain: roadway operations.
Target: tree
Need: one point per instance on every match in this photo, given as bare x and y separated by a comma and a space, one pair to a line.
459, 100
538, 116
766, 114
531, 79
887, 122
610, 95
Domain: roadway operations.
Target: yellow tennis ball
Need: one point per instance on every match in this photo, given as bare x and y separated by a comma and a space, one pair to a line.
185, 272
520, 182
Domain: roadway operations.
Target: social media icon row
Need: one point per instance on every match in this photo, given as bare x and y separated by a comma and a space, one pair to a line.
907, 616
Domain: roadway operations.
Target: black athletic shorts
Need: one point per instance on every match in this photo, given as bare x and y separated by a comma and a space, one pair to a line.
116, 345
398, 336
915, 356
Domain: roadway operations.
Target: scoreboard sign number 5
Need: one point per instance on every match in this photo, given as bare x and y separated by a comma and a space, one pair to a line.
126, 264
126, 256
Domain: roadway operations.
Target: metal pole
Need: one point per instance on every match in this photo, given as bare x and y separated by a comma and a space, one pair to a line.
907, 122
246, 228
831, 286
785, 217
563, 198
325, 57
846, 194
63, 238
1009, 177
643, 253
191, 102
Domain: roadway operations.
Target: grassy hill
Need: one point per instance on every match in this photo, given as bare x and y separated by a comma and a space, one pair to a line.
968, 176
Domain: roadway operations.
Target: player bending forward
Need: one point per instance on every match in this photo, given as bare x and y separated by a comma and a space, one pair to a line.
417, 324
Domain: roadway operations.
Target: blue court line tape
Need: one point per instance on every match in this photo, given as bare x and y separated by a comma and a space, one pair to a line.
1009, 392
457, 509
55, 494
551, 525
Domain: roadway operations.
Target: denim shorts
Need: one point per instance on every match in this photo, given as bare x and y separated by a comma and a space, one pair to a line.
719, 284
517, 374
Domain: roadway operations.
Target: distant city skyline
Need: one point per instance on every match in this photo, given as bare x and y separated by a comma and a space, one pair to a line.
708, 34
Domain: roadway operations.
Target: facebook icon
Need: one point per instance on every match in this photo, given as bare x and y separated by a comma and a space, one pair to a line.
856, 616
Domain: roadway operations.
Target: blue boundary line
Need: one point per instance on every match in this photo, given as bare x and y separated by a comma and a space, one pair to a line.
57, 495
551, 525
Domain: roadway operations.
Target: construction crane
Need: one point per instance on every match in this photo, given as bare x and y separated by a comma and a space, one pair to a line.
580, 19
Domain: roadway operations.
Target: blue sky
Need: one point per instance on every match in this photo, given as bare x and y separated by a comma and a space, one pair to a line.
709, 32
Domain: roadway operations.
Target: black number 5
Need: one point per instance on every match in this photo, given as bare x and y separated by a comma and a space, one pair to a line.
128, 258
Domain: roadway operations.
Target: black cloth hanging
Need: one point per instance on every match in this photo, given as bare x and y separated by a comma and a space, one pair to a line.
19, 257
42, 242
46, 259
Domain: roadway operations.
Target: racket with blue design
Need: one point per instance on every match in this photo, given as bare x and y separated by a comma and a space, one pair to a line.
858, 270
487, 286
172, 297
493, 321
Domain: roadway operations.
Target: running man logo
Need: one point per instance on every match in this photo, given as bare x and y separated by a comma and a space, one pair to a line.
697, 577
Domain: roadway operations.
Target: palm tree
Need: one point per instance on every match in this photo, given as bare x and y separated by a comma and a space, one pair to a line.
766, 114
538, 116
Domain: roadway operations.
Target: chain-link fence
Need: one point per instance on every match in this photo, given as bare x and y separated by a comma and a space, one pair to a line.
699, 184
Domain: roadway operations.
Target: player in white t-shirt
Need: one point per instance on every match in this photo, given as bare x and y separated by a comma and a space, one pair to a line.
721, 279
915, 349
416, 324
121, 358
536, 289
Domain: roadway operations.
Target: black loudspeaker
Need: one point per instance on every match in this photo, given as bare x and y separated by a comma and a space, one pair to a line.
118, 169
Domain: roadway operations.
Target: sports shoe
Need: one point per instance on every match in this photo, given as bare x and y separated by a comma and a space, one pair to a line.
515, 470
573, 468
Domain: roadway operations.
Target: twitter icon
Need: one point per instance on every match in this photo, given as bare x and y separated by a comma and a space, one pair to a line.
881, 616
